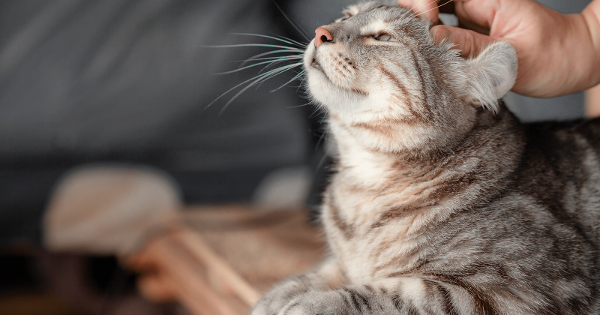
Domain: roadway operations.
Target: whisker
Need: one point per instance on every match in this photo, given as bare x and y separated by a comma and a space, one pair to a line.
258, 57
226, 92
268, 62
416, 13
321, 138
300, 44
293, 50
292, 23
298, 106
439, 6
323, 159
273, 63
409, 12
299, 56
271, 75
302, 83
430, 2
254, 81
281, 39
289, 81
277, 62
254, 45
318, 110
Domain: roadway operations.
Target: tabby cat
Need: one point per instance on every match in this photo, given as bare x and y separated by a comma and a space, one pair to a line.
442, 203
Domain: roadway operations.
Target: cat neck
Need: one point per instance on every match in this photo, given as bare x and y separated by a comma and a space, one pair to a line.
369, 153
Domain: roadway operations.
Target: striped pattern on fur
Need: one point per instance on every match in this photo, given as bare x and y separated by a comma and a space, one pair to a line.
443, 203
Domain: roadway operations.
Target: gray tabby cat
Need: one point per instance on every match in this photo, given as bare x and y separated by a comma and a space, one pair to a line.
443, 203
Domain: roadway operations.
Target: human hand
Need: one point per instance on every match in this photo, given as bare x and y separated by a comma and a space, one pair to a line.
558, 54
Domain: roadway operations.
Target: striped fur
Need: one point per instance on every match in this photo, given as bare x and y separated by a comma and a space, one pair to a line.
440, 205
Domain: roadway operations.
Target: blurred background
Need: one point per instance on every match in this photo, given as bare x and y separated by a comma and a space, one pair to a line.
127, 83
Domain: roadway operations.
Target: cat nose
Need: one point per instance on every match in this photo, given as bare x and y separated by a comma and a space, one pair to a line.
322, 36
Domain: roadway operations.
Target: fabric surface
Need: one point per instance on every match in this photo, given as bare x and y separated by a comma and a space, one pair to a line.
128, 81
104, 77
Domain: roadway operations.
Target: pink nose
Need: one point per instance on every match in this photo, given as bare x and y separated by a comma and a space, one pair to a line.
322, 36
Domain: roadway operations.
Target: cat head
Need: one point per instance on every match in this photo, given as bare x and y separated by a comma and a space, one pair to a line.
379, 64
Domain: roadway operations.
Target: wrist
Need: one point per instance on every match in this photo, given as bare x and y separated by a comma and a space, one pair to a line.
560, 54
582, 53
591, 17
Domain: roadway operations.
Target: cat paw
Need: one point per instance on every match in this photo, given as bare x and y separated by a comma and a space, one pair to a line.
318, 302
273, 301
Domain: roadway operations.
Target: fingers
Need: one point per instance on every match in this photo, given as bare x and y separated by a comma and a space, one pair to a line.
426, 8
468, 42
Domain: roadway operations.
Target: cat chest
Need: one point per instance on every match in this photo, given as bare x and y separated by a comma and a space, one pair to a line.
368, 257
366, 250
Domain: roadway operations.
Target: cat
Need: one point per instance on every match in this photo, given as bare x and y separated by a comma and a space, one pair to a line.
442, 202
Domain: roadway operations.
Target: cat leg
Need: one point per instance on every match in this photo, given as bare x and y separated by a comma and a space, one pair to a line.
402, 295
326, 276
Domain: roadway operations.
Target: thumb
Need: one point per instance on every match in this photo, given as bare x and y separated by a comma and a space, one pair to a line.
468, 42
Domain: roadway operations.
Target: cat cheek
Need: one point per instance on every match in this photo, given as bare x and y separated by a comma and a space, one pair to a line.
308, 54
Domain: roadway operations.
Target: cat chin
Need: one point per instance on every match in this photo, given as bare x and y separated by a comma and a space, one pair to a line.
331, 96
328, 94
340, 101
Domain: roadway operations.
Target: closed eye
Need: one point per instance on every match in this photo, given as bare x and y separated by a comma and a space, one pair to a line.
384, 38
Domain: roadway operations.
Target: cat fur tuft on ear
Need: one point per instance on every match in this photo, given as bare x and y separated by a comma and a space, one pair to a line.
492, 74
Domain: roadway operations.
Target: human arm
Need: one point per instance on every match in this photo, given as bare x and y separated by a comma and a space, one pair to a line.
558, 54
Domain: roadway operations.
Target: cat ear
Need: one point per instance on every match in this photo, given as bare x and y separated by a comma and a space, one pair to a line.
492, 74
350, 11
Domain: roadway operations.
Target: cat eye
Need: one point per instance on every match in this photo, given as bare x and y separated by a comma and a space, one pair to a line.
384, 38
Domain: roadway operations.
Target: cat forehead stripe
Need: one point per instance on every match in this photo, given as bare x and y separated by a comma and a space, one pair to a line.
374, 27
